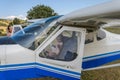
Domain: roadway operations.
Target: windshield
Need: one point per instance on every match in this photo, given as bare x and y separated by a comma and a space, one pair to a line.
32, 31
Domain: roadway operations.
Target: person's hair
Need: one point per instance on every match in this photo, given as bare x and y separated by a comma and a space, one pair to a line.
8, 28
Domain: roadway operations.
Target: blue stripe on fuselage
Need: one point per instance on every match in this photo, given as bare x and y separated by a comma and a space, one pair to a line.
98, 60
22, 71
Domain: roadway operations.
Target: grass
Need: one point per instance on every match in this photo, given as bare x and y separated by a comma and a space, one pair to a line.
113, 29
102, 74
2, 31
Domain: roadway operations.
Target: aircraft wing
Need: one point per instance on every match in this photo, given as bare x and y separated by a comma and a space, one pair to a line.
93, 17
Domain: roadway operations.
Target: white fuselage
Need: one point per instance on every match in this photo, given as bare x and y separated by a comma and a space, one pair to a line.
110, 43
14, 54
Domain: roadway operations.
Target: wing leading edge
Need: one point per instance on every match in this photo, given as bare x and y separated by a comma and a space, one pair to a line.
93, 17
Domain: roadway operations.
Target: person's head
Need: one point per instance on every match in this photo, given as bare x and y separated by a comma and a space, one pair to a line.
9, 26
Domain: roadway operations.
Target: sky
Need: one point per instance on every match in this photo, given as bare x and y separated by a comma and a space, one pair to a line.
19, 8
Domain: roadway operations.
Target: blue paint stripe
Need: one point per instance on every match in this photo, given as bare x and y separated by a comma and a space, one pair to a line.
29, 64
23, 74
34, 72
101, 54
56, 75
58, 69
100, 61
16, 65
19, 74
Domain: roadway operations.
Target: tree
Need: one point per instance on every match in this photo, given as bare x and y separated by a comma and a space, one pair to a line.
40, 11
16, 21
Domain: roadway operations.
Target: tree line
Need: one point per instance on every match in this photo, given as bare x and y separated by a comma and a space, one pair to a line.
40, 11
36, 12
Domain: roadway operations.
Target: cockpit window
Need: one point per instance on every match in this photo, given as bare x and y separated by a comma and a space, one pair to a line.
63, 47
89, 38
16, 29
32, 32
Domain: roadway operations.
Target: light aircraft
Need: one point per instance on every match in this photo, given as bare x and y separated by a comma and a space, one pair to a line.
62, 46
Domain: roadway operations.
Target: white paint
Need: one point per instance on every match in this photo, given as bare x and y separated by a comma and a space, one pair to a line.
16, 54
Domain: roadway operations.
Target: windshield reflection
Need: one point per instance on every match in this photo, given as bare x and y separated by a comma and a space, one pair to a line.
32, 31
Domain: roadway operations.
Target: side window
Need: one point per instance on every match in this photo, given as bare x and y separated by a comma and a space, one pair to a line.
101, 35
89, 38
63, 47
16, 29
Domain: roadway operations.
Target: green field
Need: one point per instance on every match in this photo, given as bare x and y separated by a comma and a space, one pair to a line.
113, 29
102, 74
